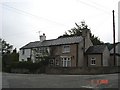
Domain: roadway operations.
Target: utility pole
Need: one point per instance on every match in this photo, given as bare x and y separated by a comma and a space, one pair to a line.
114, 38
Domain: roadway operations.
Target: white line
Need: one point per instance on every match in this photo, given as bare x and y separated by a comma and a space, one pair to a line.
87, 87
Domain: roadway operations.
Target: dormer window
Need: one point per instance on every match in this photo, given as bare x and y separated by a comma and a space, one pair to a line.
66, 48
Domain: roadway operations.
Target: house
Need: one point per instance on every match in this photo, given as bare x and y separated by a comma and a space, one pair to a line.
0, 47
98, 55
117, 55
75, 51
64, 52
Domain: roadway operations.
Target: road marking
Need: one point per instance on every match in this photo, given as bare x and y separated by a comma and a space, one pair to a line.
87, 87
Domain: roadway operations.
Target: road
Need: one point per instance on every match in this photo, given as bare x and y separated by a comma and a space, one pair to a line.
10, 80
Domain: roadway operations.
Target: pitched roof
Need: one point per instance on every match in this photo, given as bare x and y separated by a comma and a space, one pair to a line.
111, 46
98, 49
59, 41
117, 46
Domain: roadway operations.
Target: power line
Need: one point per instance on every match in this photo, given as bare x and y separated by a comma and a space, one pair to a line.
33, 15
24, 12
96, 7
93, 6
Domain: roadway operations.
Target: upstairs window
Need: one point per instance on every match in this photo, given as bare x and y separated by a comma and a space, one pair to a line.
66, 48
93, 61
23, 52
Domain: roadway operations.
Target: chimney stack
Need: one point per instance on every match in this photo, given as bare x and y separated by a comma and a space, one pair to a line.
42, 37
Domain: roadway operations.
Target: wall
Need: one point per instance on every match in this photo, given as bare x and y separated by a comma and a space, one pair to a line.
106, 57
81, 70
26, 54
98, 59
112, 60
117, 56
88, 42
0, 55
80, 54
118, 60
57, 51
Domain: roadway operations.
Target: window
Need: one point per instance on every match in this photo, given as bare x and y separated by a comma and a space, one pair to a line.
66, 48
66, 61
23, 52
43, 51
51, 62
93, 61
56, 62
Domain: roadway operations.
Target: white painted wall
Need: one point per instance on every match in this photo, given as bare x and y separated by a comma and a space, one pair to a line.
26, 54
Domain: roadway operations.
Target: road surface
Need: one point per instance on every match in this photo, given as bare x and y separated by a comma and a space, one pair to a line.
10, 80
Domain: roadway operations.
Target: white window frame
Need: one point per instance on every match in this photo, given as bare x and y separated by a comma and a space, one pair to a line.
52, 62
93, 59
66, 61
66, 49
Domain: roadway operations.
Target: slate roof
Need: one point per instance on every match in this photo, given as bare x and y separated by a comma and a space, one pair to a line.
98, 49
59, 41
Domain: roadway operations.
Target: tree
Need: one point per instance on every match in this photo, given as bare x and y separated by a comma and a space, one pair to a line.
77, 31
6, 47
9, 55
14, 56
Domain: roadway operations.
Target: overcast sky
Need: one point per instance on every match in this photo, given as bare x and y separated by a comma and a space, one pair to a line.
22, 19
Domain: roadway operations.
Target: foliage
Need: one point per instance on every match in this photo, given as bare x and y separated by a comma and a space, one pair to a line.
32, 67
6, 47
77, 31
8, 56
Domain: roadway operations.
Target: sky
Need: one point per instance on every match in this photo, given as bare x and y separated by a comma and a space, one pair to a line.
21, 20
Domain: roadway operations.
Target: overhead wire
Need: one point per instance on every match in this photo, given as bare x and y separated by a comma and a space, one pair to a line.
93, 6
38, 17
24, 12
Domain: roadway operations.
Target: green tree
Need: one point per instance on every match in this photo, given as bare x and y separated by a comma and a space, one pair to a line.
77, 31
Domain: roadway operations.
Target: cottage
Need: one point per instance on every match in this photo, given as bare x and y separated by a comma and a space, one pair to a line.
64, 52
75, 51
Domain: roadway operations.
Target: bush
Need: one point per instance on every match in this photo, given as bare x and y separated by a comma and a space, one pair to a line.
32, 67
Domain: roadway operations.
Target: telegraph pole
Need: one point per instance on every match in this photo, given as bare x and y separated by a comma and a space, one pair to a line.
114, 38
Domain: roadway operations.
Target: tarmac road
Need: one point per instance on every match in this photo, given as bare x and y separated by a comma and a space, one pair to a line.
10, 80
